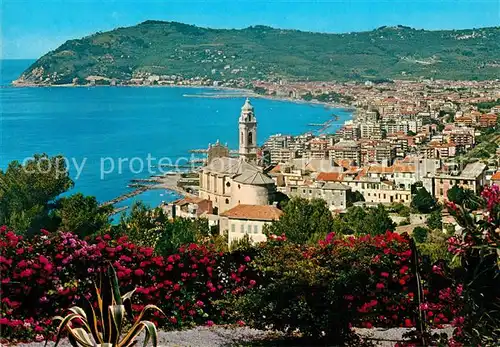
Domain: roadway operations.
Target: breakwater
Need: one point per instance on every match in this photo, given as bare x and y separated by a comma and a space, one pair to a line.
125, 196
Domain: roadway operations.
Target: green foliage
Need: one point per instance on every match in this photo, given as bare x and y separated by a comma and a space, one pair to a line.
423, 201
302, 220
353, 197
400, 209
486, 106
420, 234
435, 220
181, 231
300, 294
27, 192
166, 48
359, 220
463, 196
435, 247
141, 225
82, 215
107, 326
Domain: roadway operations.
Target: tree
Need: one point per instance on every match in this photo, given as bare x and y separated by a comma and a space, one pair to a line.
82, 215
28, 191
359, 220
420, 234
181, 231
378, 221
435, 220
423, 201
353, 197
303, 220
456, 194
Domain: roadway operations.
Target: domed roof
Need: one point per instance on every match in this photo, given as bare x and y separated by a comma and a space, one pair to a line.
247, 106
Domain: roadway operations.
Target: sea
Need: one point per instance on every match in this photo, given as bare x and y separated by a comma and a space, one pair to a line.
107, 132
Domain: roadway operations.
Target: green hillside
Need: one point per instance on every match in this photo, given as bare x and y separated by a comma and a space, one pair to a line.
260, 52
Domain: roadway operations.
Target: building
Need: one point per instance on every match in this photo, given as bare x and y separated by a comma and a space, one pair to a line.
488, 120
349, 150
335, 194
248, 133
248, 220
188, 207
226, 181
472, 177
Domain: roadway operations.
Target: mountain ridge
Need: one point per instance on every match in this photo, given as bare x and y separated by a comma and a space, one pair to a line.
165, 48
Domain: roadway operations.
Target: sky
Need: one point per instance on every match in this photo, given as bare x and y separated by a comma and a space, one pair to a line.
31, 28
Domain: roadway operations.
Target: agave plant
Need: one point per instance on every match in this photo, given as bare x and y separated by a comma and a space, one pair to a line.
106, 329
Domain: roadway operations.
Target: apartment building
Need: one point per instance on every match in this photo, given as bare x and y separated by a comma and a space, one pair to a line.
472, 177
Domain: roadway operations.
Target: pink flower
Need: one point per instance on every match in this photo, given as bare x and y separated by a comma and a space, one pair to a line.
240, 323
210, 323
380, 286
384, 274
39, 338
247, 259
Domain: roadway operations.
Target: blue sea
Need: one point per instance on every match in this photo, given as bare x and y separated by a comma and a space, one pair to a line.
100, 125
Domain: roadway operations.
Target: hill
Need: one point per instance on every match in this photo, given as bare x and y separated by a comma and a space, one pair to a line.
261, 52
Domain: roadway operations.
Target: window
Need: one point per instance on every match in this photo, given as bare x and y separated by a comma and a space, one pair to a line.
255, 229
310, 191
242, 228
227, 201
228, 184
233, 228
250, 138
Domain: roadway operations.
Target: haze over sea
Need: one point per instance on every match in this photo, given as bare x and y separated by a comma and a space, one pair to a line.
127, 122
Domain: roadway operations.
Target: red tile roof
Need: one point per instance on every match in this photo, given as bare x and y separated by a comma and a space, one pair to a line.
253, 212
329, 176
496, 176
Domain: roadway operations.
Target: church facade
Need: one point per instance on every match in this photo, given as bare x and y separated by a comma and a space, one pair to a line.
227, 181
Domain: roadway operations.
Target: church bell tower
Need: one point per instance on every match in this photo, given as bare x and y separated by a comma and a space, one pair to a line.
248, 132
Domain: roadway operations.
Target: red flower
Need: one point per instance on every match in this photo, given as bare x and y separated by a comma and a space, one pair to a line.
384, 274
139, 272
380, 286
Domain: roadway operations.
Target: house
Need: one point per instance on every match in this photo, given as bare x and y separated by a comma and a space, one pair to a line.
334, 193
472, 177
248, 220
188, 207
495, 179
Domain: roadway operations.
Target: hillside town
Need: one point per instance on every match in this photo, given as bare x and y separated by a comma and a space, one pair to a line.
432, 134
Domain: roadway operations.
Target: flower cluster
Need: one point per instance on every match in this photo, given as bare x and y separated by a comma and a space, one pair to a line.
44, 276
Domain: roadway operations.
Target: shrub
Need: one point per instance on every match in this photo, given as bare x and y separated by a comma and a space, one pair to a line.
323, 290
44, 276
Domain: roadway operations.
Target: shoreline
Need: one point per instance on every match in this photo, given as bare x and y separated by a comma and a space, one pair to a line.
245, 92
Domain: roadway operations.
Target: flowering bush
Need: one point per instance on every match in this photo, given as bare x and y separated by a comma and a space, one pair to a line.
478, 247
322, 291
44, 276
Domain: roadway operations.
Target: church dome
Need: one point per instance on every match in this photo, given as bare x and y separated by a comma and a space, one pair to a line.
247, 106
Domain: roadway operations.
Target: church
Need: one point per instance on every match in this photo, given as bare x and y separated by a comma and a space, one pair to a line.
231, 181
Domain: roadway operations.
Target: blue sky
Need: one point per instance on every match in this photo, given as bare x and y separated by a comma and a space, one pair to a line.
31, 28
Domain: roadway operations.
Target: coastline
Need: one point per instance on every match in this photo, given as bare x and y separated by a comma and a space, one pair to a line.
243, 91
